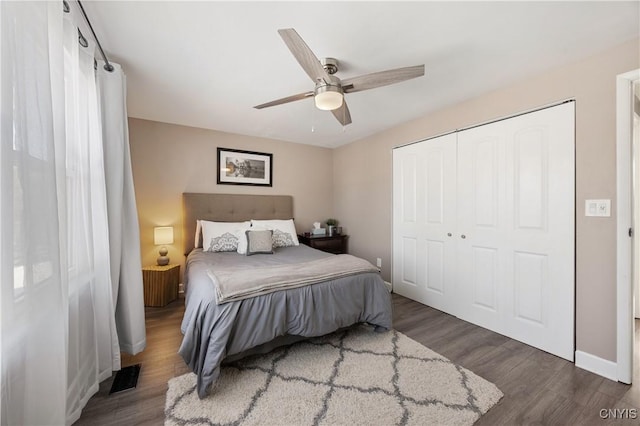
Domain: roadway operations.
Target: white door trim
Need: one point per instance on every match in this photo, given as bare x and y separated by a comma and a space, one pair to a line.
624, 188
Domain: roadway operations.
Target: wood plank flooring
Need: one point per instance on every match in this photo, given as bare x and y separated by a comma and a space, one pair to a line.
539, 388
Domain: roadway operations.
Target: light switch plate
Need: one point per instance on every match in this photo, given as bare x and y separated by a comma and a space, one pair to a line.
598, 208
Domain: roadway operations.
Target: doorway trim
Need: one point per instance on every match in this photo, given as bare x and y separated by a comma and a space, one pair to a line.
624, 188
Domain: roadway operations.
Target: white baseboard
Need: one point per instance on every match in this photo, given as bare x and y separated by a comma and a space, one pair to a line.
389, 286
597, 365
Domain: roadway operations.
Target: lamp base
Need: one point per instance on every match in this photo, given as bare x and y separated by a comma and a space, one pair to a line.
163, 259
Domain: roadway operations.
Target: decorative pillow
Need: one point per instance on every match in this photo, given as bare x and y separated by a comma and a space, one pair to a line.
225, 242
284, 231
222, 236
242, 238
282, 239
259, 242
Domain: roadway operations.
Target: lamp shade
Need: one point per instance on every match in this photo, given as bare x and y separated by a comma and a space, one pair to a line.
163, 235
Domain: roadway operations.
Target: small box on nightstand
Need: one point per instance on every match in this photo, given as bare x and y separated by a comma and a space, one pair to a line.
160, 284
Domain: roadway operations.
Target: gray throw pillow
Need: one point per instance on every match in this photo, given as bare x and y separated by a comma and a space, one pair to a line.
259, 242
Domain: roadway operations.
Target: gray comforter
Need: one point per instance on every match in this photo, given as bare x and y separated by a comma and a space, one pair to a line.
242, 283
214, 332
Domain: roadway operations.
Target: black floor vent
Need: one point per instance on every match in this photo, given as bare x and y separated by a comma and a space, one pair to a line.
126, 378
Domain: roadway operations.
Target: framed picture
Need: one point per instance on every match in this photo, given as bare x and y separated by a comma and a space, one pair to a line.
237, 167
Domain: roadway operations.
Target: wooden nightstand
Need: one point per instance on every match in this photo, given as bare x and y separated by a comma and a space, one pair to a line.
160, 284
336, 244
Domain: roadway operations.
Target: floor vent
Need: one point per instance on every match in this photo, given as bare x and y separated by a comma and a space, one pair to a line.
126, 378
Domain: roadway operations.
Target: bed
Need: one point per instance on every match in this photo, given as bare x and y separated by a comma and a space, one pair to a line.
221, 327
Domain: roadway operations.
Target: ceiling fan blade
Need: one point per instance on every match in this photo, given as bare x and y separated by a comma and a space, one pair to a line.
304, 55
342, 114
382, 78
281, 101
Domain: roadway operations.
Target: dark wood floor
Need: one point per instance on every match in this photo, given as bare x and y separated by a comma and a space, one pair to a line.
539, 389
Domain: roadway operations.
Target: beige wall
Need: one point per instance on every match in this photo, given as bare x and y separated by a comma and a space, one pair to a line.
168, 160
362, 183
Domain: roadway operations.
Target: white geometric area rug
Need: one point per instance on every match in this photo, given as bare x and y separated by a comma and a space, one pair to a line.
352, 377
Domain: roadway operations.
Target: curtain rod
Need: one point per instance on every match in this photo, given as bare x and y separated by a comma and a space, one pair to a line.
107, 64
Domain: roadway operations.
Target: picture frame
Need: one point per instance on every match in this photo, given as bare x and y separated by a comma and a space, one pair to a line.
237, 167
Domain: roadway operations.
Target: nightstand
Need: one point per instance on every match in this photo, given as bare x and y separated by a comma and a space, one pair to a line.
160, 284
336, 244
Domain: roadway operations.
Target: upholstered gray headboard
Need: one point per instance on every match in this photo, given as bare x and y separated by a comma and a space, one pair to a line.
230, 208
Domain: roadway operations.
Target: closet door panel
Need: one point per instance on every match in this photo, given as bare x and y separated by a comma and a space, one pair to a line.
531, 274
407, 172
409, 265
531, 185
484, 182
439, 257
484, 278
541, 193
481, 230
435, 264
429, 191
408, 192
435, 172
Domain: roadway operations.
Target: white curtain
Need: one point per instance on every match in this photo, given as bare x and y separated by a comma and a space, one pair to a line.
124, 233
58, 327
34, 283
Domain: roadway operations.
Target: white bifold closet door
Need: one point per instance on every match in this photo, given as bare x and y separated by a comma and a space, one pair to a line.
424, 219
483, 226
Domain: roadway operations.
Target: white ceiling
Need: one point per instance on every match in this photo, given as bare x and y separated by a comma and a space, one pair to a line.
206, 64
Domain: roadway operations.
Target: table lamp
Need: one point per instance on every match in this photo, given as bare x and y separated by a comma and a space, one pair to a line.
163, 235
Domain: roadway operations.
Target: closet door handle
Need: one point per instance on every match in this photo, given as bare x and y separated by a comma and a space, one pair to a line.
463, 236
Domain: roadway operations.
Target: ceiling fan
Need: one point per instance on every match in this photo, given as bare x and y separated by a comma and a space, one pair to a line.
329, 91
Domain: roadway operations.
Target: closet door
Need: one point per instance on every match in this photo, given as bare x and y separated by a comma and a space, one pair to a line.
482, 231
424, 215
516, 213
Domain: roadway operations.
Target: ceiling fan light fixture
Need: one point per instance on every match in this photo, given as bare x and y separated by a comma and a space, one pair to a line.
329, 90
328, 97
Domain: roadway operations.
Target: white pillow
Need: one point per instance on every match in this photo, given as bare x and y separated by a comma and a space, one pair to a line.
198, 232
284, 231
222, 236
